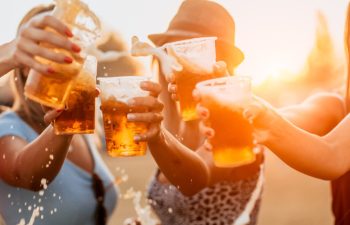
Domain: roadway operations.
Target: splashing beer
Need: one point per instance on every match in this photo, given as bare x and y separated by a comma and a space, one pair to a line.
197, 57
119, 133
79, 117
233, 139
53, 89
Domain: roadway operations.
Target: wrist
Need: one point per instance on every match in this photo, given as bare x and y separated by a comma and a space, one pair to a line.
8, 55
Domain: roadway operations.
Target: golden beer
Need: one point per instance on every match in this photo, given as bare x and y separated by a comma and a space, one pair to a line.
119, 133
197, 57
186, 83
233, 139
79, 116
53, 89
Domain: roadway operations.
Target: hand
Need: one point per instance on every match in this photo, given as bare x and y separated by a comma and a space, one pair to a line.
27, 45
153, 115
51, 114
220, 69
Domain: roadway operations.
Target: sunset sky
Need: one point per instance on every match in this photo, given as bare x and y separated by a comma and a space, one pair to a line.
275, 35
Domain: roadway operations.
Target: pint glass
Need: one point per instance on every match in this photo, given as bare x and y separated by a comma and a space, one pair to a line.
79, 116
233, 140
197, 57
53, 89
119, 133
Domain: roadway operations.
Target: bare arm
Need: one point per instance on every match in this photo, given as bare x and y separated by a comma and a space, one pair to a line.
26, 164
183, 167
324, 157
319, 114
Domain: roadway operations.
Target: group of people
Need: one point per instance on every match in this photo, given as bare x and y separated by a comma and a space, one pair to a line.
66, 178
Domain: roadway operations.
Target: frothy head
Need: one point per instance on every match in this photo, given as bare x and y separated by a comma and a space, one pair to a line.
197, 55
122, 88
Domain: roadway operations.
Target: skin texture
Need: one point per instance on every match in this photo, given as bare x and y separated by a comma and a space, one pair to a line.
20, 52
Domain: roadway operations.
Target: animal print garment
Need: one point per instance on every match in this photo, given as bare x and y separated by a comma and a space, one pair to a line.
220, 204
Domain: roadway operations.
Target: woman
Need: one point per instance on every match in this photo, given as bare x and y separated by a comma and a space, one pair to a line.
62, 178
189, 189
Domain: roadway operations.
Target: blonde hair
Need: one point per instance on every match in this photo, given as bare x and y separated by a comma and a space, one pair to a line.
27, 109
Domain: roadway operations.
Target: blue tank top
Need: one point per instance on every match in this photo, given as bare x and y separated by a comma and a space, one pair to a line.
69, 199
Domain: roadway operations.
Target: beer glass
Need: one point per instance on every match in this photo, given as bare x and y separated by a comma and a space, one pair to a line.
197, 57
225, 99
52, 89
79, 116
119, 133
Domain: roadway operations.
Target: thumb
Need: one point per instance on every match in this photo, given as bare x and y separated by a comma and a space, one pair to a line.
52, 115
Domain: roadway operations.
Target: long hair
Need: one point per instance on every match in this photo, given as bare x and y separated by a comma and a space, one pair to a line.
27, 109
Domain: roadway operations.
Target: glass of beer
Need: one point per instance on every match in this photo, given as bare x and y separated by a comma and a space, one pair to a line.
197, 57
53, 89
233, 139
119, 133
79, 116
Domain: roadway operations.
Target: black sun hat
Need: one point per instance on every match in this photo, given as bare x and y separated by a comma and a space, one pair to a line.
202, 18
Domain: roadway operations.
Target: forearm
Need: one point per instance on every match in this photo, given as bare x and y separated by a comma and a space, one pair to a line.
42, 159
182, 167
305, 152
6, 61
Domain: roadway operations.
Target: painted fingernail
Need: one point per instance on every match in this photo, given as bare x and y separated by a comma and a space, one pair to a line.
76, 48
60, 110
68, 59
50, 70
131, 116
69, 33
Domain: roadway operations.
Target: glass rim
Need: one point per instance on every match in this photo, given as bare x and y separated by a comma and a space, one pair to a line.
217, 82
123, 78
188, 41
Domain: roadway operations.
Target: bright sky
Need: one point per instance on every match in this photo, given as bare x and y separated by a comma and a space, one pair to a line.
274, 34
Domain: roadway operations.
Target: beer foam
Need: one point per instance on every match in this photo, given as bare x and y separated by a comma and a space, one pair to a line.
197, 55
122, 88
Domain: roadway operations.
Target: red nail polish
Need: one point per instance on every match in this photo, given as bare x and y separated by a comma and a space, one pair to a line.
50, 70
68, 59
69, 33
76, 48
60, 110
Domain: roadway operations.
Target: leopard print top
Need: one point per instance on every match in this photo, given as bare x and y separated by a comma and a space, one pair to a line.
220, 204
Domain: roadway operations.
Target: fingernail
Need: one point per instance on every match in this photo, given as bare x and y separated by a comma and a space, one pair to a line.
137, 138
204, 114
209, 133
68, 59
131, 102
76, 48
131, 117
69, 33
60, 110
50, 70
143, 85
248, 115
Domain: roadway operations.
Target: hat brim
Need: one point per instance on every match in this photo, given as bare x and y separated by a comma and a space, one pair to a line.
162, 38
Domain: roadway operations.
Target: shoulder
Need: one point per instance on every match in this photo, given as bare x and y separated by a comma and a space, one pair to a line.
12, 124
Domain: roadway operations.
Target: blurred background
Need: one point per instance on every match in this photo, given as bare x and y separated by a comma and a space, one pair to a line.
292, 49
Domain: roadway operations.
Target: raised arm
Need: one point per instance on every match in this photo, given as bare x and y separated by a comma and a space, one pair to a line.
318, 114
26, 164
325, 157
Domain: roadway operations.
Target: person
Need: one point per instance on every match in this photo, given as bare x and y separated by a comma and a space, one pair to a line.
61, 178
188, 188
